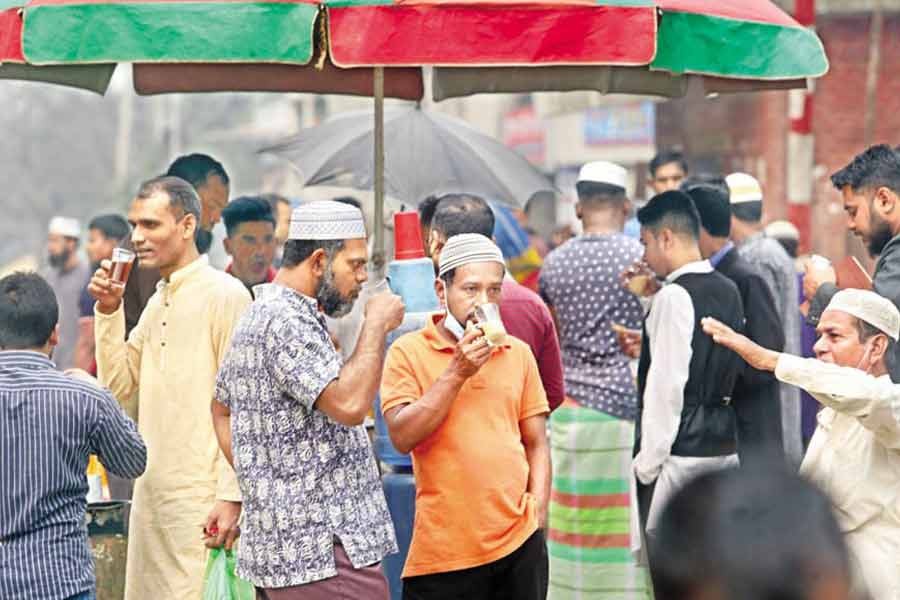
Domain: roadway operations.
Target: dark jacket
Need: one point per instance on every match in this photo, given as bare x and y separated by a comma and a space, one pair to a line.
885, 281
756, 396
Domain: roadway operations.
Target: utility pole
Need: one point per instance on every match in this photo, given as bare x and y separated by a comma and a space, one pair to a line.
801, 147
875, 31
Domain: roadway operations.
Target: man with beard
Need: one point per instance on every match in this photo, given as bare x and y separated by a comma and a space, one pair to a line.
105, 233
870, 186
473, 415
66, 274
289, 417
170, 359
250, 227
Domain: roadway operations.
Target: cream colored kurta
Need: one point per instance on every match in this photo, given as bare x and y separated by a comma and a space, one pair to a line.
171, 359
854, 456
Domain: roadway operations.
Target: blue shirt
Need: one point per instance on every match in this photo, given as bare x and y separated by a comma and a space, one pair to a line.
580, 280
305, 479
50, 424
716, 258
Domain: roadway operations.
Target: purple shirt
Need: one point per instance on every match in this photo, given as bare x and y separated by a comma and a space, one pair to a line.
526, 317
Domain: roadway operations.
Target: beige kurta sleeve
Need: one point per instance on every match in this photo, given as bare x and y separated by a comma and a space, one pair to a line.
118, 360
873, 401
232, 309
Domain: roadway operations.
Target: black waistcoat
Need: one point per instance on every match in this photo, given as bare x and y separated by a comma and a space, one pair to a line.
708, 426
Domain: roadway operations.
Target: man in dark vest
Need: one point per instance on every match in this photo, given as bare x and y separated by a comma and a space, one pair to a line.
756, 398
686, 424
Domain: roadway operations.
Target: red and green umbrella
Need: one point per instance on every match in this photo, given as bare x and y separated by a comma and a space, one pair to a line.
13, 65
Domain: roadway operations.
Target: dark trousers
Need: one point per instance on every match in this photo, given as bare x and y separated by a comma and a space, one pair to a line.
760, 438
523, 575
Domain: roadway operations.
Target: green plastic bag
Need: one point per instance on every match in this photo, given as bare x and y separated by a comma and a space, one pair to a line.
220, 582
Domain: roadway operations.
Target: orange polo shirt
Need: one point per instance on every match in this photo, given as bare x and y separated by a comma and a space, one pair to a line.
472, 507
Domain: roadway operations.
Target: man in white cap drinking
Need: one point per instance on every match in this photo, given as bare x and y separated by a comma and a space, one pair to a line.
289, 412
854, 454
472, 413
580, 282
777, 268
67, 274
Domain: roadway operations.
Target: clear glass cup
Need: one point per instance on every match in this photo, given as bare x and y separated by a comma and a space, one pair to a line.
489, 321
122, 262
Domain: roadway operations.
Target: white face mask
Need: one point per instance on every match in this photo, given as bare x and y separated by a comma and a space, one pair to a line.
454, 326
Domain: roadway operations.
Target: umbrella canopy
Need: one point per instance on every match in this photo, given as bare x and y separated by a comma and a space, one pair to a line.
12, 62
425, 153
623, 46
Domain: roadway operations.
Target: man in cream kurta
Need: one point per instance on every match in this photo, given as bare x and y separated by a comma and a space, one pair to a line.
171, 358
854, 454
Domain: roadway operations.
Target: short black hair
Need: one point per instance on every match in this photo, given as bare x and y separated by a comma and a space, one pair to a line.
749, 212
426, 210
183, 198
878, 166
196, 168
28, 311
463, 213
757, 534
112, 226
297, 251
595, 192
673, 210
665, 157
349, 201
246, 209
711, 196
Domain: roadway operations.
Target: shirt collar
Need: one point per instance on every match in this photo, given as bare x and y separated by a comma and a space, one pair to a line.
700, 266
28, 359
182, 274
716, 258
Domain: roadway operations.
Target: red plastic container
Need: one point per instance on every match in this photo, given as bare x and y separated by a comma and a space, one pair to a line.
407, 236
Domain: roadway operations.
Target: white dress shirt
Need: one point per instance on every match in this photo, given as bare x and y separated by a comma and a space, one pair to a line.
854, 456
670, 331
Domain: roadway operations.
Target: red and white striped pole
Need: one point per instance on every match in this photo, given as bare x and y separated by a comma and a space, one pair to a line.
801, 156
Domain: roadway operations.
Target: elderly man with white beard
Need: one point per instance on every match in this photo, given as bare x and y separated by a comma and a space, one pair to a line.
854, 454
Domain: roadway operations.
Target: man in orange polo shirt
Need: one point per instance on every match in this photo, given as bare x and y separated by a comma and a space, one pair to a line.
473, 416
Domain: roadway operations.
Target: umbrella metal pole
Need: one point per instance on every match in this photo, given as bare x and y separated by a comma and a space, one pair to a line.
378, 255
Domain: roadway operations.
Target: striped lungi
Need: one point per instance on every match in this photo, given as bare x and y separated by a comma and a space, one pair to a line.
589, 522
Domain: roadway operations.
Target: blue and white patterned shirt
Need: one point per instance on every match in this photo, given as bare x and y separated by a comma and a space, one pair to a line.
50, 424
580, 280
305, 479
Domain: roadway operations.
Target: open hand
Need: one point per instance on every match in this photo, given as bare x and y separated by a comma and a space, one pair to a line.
755, 355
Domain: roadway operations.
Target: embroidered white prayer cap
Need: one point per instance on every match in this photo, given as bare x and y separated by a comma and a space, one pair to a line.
603, 171
782, 230
744, 188
465, 249
876, 310
65, 226
327, 220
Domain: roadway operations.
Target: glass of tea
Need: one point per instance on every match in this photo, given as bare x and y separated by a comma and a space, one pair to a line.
122, 262
488, 317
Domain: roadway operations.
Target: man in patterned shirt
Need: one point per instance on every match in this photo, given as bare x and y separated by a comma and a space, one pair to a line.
591, 433
289, 418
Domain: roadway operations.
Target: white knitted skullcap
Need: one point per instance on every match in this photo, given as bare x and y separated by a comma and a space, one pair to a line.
782, 230
65, 226
603, 171
744, 188
327, 220
877, 311
467, 248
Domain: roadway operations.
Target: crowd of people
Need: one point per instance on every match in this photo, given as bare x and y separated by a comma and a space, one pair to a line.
636, 434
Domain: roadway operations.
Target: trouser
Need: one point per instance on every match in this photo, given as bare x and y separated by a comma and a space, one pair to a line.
521, 575
367, 583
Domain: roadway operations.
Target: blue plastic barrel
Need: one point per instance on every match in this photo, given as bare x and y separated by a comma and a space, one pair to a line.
400, 491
